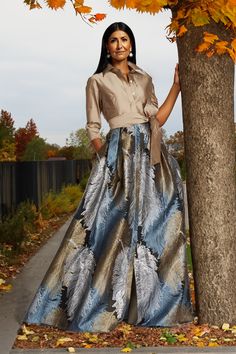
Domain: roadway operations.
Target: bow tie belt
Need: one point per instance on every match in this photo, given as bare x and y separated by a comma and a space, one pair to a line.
155, 144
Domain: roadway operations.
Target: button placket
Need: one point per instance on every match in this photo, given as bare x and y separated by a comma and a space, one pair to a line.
132, 87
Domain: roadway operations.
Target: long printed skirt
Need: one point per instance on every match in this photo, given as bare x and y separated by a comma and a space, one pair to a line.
123, 257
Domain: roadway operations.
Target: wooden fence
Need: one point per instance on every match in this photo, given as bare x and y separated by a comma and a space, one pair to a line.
21, 181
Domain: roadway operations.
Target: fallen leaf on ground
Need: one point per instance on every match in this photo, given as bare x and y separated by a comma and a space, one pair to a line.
4, 286
225, 326
25, 330
62, 340
71, 350
35, 339
213, 344
22, 337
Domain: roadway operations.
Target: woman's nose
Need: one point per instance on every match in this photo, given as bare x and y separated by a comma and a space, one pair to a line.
119, 44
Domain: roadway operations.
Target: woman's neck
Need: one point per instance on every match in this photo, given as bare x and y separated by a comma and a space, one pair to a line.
122, 66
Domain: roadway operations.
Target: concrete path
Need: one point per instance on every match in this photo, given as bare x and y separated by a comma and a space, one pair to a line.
13, 306
150, 350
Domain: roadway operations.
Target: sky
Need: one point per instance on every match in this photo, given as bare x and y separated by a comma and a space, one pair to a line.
47, 57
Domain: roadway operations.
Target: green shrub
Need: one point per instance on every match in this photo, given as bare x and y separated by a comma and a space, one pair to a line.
73, 193
84, 181
65, 202
16, 229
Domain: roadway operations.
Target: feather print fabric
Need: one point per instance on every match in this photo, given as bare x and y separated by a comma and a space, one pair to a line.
123, 257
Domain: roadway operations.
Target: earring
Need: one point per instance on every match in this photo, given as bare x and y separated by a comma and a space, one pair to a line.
131, 54
108, 55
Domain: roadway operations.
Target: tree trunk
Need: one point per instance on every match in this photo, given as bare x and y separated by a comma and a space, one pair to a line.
207, 92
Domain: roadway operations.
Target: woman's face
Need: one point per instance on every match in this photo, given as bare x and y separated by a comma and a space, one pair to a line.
119, 45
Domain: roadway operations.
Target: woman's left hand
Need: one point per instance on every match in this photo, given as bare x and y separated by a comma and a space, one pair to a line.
176, 75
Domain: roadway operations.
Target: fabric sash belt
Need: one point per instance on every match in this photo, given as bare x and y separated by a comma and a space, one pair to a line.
126, 120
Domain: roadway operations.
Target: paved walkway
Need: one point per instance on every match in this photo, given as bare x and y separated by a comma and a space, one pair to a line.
13, 306
154, 350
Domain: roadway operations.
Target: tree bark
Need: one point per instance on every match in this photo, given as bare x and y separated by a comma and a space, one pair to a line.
207, 93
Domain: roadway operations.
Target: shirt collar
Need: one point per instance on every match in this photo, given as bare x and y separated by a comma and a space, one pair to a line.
134, 68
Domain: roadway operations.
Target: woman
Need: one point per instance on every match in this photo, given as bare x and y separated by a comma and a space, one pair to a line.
123, 257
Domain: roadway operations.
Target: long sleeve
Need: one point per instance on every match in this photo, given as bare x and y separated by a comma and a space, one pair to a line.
154, 99
93, 109
151, 107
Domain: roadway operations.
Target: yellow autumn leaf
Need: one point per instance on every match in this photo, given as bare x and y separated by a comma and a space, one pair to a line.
232, 54
99, 17
63, 340
126, 350
231, 2
221, 47
210, 37
22, 337
105, 343
93, 338
150, 5
79, 2
35, 339
126, 328
181, 338
233, 44
225, 326
2, 281
221, 44
213, 344
199, 17
5, 287
200, 344
131, 4
182, 30
195, 338
202, 47
215, 12
230, 13
83, 9
180, 14
25, 330
71, 350
87, 346
118, 4
56, 4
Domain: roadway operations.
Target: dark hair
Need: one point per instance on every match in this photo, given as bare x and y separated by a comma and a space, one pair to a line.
116, 26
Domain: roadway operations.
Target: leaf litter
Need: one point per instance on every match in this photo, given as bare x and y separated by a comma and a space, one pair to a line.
126, 337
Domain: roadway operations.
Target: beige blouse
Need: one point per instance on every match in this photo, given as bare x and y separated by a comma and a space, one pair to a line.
123, 103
